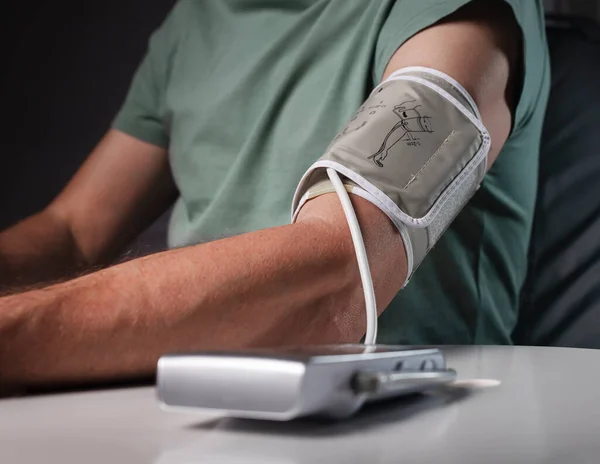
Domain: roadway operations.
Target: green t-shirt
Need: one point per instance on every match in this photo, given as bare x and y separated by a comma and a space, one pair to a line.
246, 95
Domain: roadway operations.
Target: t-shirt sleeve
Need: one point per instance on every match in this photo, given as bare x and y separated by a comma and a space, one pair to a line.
405, 19
142, 114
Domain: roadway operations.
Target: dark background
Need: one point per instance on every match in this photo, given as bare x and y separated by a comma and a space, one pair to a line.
588, 8
66, 67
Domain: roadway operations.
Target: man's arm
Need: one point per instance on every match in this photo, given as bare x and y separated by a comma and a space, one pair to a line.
124, 184
287, 285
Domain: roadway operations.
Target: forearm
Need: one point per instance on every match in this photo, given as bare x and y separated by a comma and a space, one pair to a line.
289, 285
38, 249
121, 188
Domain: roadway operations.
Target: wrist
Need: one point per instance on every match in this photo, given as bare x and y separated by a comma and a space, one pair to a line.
13, 318
25, 329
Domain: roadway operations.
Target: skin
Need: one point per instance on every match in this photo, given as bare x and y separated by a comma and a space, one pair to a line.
296, 284
121, 188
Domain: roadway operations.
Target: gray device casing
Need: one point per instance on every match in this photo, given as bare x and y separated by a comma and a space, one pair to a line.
282, 385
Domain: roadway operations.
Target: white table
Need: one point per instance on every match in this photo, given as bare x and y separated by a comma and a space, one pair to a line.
546, 410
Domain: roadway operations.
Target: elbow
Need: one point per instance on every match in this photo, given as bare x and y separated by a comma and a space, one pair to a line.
345, 308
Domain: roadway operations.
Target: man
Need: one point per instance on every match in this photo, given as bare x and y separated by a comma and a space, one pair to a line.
238, 99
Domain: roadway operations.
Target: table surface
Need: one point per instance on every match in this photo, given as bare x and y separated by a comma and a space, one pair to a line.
545, 409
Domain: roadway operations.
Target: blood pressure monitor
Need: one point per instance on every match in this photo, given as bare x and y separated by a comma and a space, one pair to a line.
330, 380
